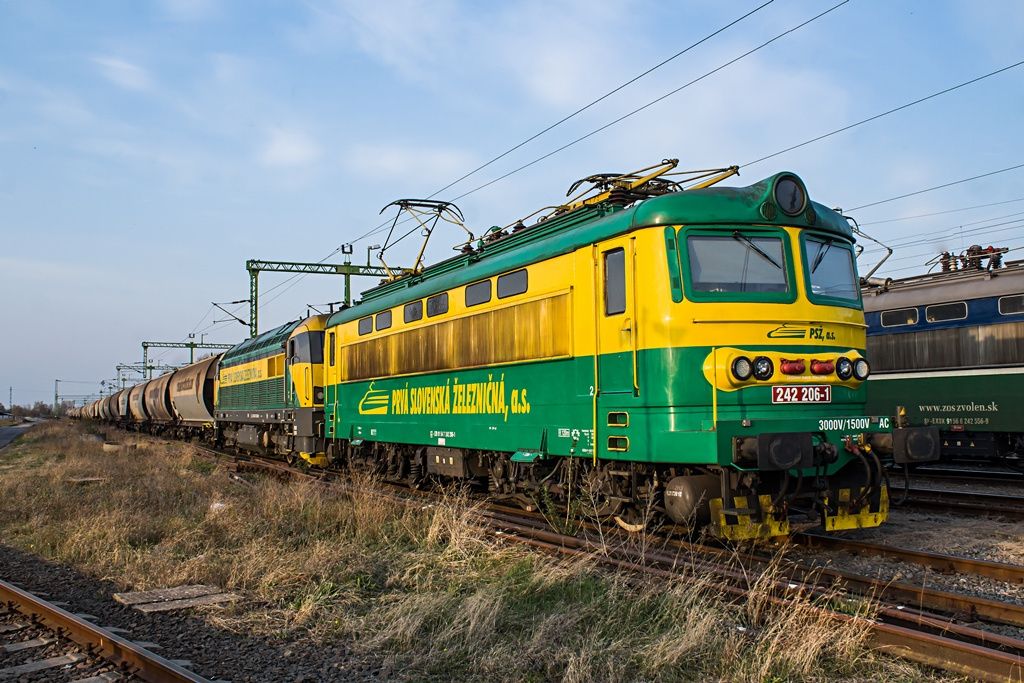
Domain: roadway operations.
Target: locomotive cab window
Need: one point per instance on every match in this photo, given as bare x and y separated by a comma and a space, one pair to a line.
1011, 305
437, 304
512, 283
316, 347
366, 325
615, 282
478, 293
414, 311
830, 272
307, 348
330, 341
942, 312
741, 265
383, 320
899, 317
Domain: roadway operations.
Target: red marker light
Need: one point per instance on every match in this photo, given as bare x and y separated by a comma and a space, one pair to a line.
822, 367
792, 367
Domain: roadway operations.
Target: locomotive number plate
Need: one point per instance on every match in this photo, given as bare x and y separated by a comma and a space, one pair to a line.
819, 393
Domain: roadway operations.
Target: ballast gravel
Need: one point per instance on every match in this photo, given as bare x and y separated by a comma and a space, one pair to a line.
982, 538
213, 653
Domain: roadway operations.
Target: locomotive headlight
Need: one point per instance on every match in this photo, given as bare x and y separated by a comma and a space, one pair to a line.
763, 368
844, 368
861, 370
741, 368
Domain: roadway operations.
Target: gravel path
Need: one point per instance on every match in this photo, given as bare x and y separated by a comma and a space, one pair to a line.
213, 653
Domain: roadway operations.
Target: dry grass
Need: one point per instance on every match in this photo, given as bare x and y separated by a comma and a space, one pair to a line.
418, 585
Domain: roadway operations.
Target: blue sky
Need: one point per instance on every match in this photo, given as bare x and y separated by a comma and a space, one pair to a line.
148, 149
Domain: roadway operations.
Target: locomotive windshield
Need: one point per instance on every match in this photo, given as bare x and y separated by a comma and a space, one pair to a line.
737, 263
308, 347
830, 270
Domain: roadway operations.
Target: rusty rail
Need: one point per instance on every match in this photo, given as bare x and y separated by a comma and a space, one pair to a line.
123, 653
1009, 573
969, 502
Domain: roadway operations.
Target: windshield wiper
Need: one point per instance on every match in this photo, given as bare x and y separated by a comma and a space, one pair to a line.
822, 250
740, 237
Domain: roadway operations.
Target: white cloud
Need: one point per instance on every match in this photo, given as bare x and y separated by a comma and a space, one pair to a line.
408, 35
123, 73
288, 148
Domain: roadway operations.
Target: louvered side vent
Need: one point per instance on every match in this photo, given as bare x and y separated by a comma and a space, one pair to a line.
528, 331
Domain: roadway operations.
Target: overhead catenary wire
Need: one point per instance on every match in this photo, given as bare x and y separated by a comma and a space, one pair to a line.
582, 109
951, 231
384, 225
885, 113
1016, 225
940, 213
602, 98
653, 102
937, 187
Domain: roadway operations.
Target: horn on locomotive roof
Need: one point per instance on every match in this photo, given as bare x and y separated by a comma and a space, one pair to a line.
426, 213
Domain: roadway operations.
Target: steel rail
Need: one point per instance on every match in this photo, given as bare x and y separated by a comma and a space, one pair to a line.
97, 641
1010, 573
985, 504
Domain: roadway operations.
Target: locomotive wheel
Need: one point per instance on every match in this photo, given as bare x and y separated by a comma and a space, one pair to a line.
601, 490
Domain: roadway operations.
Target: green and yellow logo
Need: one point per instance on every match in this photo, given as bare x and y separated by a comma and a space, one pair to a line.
374, 402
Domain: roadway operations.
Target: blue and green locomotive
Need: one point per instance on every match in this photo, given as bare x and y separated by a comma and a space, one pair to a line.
947, 350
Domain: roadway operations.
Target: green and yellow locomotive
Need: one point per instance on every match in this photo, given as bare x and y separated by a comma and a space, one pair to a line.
270, 392
643, 352
696, 354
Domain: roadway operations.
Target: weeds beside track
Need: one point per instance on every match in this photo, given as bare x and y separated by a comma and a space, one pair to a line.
422, 583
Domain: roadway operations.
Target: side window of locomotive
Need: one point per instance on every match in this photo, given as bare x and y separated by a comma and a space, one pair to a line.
414, 311
437, 304
299, 349
366, 325
830, 270
512, 283
1011, 305
899, 317
942, 312
383, 320
615, 281
330, 339
478, 293
737, 263
316, 347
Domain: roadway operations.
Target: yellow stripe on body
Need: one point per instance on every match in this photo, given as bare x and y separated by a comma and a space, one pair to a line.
254, 371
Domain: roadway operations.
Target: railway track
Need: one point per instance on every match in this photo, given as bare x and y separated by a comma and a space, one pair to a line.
996, 477
915, 623
965, 502
90, 654
897, 628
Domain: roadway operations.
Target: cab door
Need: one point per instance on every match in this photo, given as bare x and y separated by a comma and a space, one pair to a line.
616, 308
